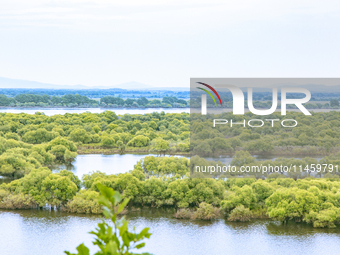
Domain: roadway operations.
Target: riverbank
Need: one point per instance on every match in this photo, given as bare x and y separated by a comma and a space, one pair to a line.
163, 182
294, 152
93, 149
63, 111
170, 212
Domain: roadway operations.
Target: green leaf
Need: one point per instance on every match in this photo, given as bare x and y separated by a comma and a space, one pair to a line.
144, 233
111, 248
114, 218
105, 191
107, 212
122, 205
141, 245
113, 239
83, 250
116, 198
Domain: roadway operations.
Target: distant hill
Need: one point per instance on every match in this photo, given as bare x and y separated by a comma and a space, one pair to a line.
133, 85
22, 84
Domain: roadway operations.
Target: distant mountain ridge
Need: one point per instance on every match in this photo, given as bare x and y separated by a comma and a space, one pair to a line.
133, 85
24, 84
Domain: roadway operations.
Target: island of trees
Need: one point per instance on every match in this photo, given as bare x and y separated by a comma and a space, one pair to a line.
119, 98
75, 100
30, 144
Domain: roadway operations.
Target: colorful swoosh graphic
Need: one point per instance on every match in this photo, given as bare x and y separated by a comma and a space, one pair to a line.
213, 90
209, 94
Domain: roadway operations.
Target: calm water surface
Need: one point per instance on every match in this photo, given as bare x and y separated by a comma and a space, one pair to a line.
109, 164
54, 111
52, 232
46, 232
116, 163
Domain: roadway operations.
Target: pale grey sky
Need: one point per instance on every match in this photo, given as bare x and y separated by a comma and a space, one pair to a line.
164, 43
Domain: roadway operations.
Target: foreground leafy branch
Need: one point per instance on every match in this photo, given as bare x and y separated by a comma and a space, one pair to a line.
115, 239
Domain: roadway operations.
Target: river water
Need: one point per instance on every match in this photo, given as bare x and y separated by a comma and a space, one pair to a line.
122, 111
55, 111
109, 164
52, 232
49, 232
116, 163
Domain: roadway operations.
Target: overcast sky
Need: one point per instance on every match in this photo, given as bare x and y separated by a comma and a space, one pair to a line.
164, 43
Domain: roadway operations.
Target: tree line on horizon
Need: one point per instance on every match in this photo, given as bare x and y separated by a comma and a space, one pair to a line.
263, 100
99, 93
71, 100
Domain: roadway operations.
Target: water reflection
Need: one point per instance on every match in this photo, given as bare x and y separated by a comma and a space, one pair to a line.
34, 231
109, 164
298, 229
122, 163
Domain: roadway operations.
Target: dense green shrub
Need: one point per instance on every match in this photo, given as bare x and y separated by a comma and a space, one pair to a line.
206, 211
16, 201
85, 201
240, 213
